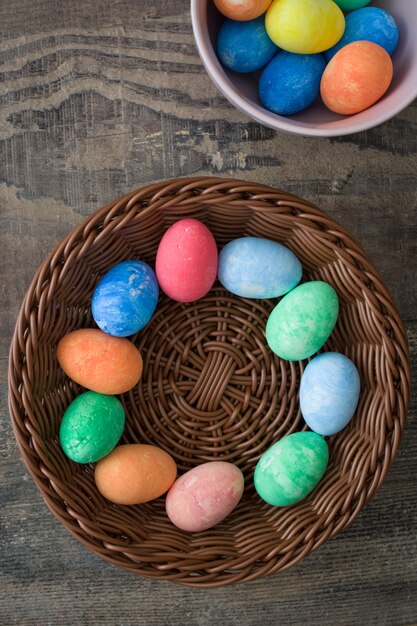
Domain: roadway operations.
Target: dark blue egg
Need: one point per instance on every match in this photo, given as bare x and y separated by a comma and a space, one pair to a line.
291, 82
329, 392
245, 46
368, 24
125, 298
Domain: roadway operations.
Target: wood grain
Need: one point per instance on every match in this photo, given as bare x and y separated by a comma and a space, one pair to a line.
97, 98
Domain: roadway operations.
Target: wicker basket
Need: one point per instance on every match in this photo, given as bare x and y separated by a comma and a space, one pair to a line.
211, 388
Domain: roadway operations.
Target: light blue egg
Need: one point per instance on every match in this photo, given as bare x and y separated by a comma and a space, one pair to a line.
125, 298
329, 392
291, 82
368, 24
245, 46
252, 267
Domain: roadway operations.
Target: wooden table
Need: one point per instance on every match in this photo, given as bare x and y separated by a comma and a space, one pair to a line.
98, 98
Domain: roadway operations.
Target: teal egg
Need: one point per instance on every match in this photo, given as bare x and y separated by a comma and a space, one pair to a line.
351, 5
291, 468
91, 427
302, 321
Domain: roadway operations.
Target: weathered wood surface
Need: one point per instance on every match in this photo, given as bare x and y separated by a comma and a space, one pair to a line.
97, 98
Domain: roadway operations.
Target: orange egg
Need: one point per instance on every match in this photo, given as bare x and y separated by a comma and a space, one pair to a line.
135, 473
242, 10
356, 77
100, 362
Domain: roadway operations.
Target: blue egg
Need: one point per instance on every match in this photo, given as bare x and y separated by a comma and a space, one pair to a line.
368, 24
125, 298
252, 267
245, 46
291, 82
329, 392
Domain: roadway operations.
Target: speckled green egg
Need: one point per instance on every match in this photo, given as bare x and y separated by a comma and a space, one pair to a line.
291, 468
302, 321
91, 427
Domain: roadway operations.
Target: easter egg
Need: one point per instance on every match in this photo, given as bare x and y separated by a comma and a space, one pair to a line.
302, 321
252, 267
290, 469
329, 392
244, 46
91, 427
204, 496
100, 362
356, 77
125, 298
369, 24
186, 261
304, 26
242, 10
351, 5
291, 82
135, 473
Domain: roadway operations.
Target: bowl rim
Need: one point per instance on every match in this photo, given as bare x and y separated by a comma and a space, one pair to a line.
245, 106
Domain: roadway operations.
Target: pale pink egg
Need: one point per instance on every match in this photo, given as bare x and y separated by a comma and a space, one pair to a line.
186, 261
242, 10
204, 496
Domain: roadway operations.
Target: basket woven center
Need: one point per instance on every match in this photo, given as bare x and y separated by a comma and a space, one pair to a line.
214, 378
211, 388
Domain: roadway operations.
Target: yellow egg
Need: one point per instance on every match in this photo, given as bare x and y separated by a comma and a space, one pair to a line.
304, 26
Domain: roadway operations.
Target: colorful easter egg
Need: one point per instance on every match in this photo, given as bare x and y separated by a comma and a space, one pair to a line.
125, 298
291, 468
291, 82
135, 473
369, 24
302, 321
91, 427
329, 392
242, 10
356, 77
204, 496
100, 362
351, 5
252, 267
186, 261
244, 46
304, 26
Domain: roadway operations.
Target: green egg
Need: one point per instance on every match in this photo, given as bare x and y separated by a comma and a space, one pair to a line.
302, 321
91, 427
291, 468
351, 5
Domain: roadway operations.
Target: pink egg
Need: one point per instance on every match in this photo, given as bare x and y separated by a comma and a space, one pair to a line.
204, 496
186, 261
242, 10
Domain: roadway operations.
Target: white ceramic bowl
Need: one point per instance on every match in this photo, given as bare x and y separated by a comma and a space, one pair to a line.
317, 120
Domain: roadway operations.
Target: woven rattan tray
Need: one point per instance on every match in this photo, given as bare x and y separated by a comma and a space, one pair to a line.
211, 388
